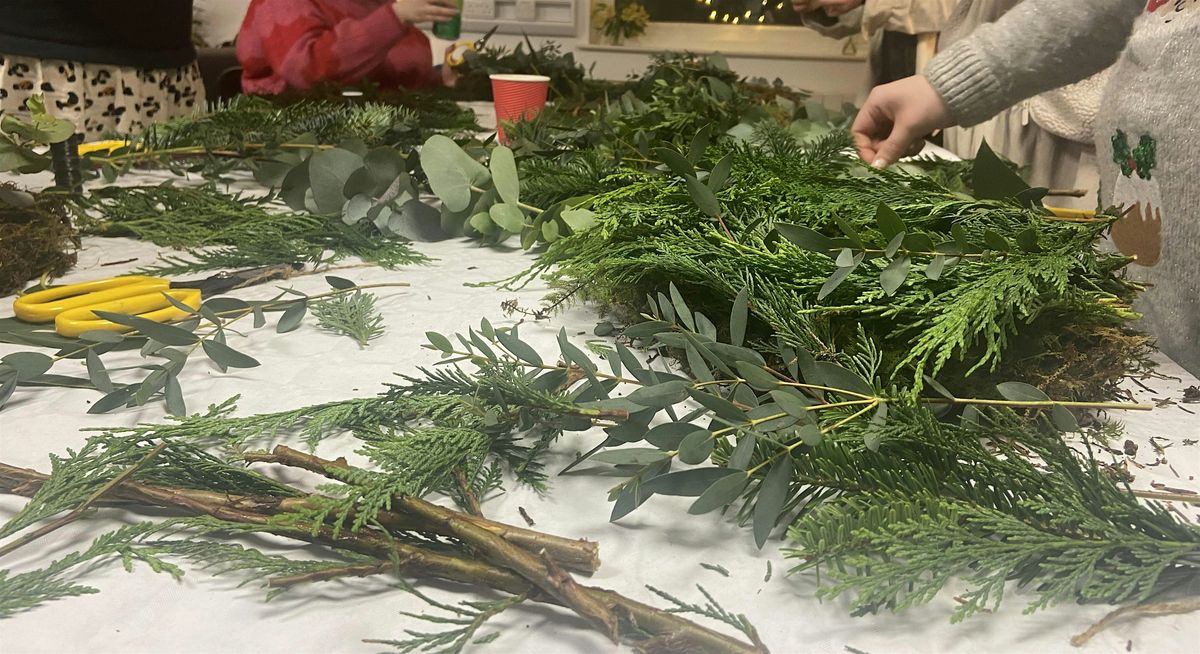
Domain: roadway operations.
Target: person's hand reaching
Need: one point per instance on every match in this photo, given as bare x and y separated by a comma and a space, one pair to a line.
425, 11
895, 116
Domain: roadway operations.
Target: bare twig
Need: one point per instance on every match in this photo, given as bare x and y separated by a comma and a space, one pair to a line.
78, 511
578, 555
643, 621
468, 496
1137, 610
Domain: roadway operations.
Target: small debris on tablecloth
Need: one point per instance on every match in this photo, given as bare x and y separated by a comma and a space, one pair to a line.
525, 516
1131, 448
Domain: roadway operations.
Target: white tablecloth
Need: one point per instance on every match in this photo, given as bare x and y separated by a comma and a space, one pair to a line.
658, 544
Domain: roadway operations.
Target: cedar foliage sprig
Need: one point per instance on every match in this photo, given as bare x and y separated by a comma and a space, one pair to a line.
219, 230
354, 315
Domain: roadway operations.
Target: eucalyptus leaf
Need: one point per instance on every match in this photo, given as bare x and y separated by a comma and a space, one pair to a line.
696, 447
669, 435
933, 269
756, 376
629, 456
793, 403
1021, 392
28, 365
579, 219
738, 317
720, 493
97, 373
686, 483
515, 345
675, 161
508, 216
7, 386
113, 400
328, 171
810, 434
890, 224
703, 197
840, 275
1063, 419
292, 316
101, 336
227, 356
771, 498
806, 238
173, 394
720, 173
720, 406
660, 396
824, 373
893, 276
504, 175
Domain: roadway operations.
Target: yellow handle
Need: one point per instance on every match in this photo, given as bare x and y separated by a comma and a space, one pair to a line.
44, 306
1078, 214
152, 305
455, 53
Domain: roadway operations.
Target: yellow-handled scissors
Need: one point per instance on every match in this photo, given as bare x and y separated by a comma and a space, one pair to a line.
456, 54
72, 307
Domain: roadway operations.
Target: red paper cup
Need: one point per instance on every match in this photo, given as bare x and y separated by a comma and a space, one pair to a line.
518, 98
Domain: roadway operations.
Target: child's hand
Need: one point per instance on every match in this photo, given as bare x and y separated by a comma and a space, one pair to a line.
425, 11
895, 116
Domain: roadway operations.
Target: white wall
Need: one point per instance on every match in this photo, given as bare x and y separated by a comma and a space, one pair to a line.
839, 79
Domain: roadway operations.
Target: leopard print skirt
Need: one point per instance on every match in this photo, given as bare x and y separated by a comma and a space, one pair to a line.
100, 99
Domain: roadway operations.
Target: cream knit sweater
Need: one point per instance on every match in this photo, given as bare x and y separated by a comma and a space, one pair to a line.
1147, 131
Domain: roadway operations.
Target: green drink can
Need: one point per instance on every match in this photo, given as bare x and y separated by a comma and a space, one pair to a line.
451, 29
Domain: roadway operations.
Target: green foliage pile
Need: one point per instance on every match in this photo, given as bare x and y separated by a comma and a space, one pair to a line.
567, 77
253, 122
966, 289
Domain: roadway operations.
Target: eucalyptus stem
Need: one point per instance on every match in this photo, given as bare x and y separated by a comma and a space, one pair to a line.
527, 207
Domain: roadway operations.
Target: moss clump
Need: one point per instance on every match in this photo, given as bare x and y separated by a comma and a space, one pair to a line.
36, 237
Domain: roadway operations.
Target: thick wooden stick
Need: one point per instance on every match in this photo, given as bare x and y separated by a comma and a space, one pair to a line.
664, 628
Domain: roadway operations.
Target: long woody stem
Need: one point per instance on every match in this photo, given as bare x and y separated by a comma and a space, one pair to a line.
661, 626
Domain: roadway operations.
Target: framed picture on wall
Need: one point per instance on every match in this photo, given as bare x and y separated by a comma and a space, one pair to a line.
749, 28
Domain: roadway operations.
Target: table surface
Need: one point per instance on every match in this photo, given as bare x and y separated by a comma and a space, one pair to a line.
659, 544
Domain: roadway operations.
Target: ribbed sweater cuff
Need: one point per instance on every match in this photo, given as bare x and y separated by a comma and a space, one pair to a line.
967, 83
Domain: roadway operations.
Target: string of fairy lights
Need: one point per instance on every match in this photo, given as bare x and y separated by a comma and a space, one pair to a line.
737, 12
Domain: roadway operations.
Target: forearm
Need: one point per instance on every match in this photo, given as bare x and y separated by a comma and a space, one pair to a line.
848, 24
348, 50
1037, 46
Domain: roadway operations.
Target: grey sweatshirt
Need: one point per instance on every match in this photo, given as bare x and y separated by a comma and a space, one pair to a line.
1147, 131
1037, 46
